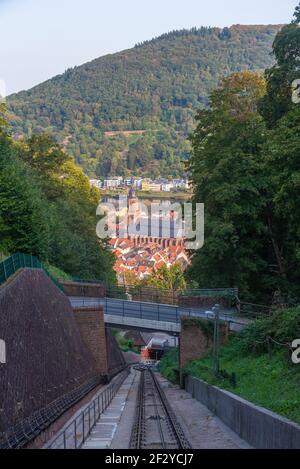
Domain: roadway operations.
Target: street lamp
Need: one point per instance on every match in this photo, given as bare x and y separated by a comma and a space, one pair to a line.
216, 343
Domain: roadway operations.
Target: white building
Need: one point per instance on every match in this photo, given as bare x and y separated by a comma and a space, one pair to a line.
112, 183
137, 183
128, 182
167, 187
96, 183
180, 184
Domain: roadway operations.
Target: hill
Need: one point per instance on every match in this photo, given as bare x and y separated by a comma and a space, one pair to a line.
156, 87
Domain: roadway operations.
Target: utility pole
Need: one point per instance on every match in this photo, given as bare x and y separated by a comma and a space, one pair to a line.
216, 343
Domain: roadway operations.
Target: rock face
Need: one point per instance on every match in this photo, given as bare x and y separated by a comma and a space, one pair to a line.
46, 356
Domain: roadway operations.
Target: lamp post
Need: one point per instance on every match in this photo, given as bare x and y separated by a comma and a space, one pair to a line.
216, 343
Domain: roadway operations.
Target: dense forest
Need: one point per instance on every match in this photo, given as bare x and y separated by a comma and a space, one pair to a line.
155, 86
47, 207
245, 167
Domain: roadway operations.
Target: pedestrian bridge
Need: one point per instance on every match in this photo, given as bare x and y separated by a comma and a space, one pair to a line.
152, 316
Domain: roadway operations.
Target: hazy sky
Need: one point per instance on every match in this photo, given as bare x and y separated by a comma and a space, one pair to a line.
41, 38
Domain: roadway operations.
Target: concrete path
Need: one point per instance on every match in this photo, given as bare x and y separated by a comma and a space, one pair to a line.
202, 428
121, 439
103, 432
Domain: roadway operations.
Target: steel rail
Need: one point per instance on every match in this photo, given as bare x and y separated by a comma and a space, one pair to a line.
161, 434
138, 426
158, 399
176, 428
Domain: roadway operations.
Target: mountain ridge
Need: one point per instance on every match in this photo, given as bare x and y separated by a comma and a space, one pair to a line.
156, 85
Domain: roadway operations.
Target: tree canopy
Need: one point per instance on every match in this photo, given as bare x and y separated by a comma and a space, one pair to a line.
154, 87
47, 208
245, 168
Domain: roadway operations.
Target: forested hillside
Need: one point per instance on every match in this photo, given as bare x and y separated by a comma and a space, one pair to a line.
245, 168
47, 208
155, 86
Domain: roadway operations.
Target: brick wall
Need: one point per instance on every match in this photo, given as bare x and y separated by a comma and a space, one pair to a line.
195, 343
92, 329
92, 290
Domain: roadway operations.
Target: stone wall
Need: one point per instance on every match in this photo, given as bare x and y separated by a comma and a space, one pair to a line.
89, 290
196, 341
92, 329
202, 301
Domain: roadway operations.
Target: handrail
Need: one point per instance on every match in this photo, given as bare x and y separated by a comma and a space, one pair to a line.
77, 432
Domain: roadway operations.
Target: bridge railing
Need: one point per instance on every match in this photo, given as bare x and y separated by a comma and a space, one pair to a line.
189, 298
151, 311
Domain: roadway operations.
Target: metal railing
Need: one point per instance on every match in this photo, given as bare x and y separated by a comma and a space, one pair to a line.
77, 432
250, 310
129, 292
150, 311
12, 264
30, 427
15, 262
167, 297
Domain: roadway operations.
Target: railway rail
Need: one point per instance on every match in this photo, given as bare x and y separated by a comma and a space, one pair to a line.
155, 424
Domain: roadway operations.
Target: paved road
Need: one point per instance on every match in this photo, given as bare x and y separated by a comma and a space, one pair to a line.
152, 311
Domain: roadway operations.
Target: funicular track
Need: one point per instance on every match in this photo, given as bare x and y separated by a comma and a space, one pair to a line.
155, 424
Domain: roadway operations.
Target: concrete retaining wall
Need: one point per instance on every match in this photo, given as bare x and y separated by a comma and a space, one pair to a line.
261, 428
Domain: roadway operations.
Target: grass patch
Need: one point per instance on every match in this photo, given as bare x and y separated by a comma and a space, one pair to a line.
57, 273
269, 381
126, 345
169, 366
264, 372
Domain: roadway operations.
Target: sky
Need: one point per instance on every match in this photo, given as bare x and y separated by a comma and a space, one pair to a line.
42, 38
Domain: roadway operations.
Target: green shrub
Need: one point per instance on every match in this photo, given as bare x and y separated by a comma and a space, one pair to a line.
169, 365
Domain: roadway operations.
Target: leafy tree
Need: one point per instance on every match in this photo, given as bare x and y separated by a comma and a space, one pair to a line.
226, 170
248, 177
48, 208
3, 120
23, 213
165, 278
286, 49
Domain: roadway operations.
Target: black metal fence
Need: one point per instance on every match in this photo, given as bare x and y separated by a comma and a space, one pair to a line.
26, 430
227, 297
252, 311
77, 432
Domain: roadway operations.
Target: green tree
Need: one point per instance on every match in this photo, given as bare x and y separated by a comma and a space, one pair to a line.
165, 278
48, 208
23, 209
279, 78
226, 170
